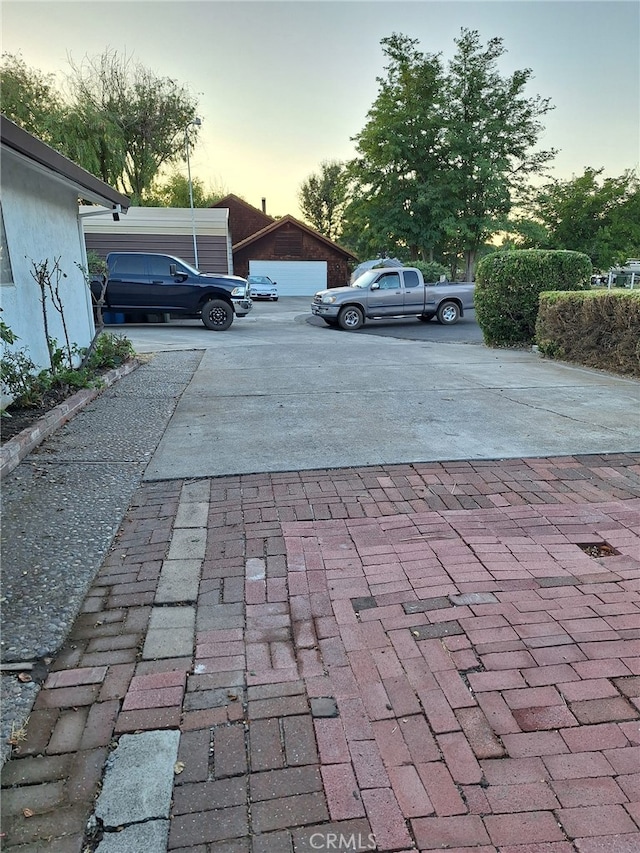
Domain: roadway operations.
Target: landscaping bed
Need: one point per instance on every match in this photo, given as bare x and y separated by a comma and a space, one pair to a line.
19, 418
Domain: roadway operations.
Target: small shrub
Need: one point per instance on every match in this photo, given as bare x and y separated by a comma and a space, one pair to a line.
28, 388
598, 328
508, 285
7, 336
19, 379
110, 351
96, 264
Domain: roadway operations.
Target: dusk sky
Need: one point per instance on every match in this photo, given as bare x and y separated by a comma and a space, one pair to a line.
284, 85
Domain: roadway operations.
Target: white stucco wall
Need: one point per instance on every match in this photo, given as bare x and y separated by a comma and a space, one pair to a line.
41, 223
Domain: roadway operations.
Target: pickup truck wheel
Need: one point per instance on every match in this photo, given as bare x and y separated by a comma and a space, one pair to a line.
425, 317
350, 318
217, 315
448, 313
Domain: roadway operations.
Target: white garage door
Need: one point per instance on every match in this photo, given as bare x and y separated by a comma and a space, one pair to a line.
294, 278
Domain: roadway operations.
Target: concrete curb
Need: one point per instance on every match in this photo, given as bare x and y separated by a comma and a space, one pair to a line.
14, 450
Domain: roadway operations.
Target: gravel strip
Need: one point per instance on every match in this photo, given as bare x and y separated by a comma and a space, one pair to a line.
62, 506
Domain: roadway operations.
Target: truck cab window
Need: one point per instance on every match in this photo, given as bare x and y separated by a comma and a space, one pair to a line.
411, 278
391, 281
159, 265
128, 265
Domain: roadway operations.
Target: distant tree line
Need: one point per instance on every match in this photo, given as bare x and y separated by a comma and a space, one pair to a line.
446, 163
444, 168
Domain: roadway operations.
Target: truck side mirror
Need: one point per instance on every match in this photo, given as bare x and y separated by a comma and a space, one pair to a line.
375, 285
173, 269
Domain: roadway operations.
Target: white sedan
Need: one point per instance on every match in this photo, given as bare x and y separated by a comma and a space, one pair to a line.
261, 287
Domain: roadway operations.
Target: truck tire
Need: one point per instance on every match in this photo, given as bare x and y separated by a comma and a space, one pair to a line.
448, 313
217, 315
350, 318
425, 317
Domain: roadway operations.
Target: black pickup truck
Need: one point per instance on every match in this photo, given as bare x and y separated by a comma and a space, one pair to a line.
140, 283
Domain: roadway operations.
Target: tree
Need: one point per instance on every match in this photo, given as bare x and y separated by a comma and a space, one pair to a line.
83, 133
147, 113
491, 130
116, 119
396, 192
93, 139
174, 192
522, 232
29, 98
323, 198
595, 215
445, 152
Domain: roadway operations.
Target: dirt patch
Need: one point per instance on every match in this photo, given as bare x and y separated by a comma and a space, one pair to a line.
18, 418
598, 549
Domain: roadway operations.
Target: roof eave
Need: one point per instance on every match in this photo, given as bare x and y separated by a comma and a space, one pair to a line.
28, 147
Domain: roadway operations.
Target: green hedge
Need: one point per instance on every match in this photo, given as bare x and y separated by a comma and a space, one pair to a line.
508, 285
599, 329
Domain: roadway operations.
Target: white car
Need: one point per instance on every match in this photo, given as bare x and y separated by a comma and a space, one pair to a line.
261, 287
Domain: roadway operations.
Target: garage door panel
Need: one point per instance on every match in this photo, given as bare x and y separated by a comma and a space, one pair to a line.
294, 278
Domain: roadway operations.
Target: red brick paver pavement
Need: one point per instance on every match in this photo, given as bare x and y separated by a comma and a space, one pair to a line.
397, 658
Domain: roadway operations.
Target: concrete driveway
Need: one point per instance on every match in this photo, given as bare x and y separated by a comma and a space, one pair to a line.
279, 393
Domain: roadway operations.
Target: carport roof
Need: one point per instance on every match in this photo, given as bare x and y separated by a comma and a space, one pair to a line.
42, 157
269, 229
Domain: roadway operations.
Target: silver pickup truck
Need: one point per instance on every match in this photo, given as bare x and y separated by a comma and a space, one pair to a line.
400, 292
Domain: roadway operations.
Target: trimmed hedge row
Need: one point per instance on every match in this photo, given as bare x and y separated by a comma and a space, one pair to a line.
508, 286
598, 329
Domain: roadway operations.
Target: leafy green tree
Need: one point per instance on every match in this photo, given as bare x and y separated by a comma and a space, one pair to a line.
445, 152
30, 98
91, 138
323, 198
397, 200
523, 233
174, 192
592, 214
491, 130
619, 239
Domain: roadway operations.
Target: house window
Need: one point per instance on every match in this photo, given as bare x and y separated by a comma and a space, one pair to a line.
6, 274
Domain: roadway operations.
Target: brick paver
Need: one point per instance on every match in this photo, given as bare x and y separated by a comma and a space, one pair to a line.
412, 656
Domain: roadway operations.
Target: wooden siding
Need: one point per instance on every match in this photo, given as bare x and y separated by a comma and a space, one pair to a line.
167, 230
267, 249
159, 220
212, 251
289, 243
244, 220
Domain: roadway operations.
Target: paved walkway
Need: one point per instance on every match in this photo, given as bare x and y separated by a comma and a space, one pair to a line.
392, 658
